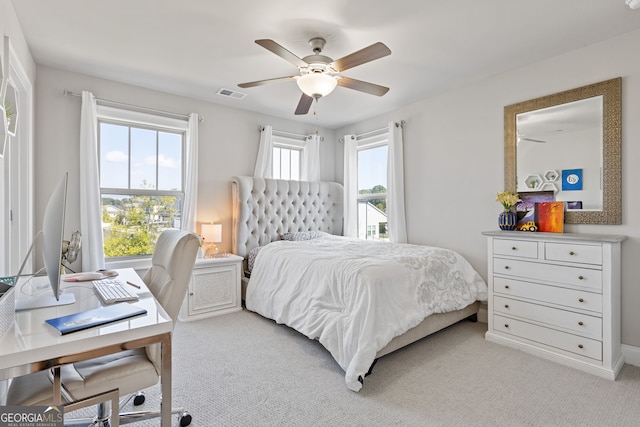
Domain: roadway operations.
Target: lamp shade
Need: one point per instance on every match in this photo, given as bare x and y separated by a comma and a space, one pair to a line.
317, 84
212, 233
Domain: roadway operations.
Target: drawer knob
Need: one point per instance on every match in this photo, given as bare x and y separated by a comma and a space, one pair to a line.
513, 248
581, 323
580, 346
506, 306
506, 286
580, 277
572, 253
506, 267
191, 293
506, 325
580, 299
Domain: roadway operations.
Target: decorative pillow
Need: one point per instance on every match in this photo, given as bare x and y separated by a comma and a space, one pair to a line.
253, 253
303, 235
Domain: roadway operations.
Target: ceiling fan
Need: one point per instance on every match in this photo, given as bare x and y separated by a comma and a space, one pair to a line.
318, 73
520, 137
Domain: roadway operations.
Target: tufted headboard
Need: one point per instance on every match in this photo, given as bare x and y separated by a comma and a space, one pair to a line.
264, 209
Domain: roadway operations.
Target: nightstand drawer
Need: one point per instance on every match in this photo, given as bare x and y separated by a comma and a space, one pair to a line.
551, 337
517, 248
553, 295
576, 323
584, 254
574, 276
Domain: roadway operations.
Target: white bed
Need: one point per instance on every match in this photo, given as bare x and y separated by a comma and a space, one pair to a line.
361, 300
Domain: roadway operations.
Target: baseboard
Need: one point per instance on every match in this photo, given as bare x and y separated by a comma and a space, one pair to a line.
631, 355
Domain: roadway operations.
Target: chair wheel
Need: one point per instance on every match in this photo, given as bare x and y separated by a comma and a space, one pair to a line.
138, 399
185, 419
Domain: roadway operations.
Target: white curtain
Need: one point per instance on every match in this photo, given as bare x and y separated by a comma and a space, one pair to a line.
395, 186
191, 176
90, 206
350, 186
265, 153
311, 159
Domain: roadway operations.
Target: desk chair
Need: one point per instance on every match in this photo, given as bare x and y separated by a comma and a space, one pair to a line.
131, 370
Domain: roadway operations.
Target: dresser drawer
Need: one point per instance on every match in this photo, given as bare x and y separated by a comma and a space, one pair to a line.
517, 248
576, 323
575, 276
564, 297
551, 337
569, 252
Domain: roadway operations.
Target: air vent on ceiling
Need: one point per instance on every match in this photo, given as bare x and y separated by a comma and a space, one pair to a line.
231, 93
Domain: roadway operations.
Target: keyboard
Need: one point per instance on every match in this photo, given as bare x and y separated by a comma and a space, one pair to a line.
113, 290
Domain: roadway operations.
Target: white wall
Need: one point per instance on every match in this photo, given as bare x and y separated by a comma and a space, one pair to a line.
453, 150
228, 141
454, 156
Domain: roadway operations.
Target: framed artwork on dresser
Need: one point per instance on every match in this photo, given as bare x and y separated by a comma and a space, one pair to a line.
526, 207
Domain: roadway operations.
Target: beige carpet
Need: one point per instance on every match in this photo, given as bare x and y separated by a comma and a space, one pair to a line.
243, 370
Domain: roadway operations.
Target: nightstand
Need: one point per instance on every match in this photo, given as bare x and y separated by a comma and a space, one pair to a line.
214, 288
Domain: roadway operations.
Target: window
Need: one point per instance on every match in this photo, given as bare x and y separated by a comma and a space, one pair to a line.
286, 162
142, 168
372, 189
287, 156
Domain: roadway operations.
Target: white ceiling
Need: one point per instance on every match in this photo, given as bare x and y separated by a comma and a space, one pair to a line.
196, 47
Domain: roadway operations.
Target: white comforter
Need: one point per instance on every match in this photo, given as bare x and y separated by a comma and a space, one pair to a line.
356, 296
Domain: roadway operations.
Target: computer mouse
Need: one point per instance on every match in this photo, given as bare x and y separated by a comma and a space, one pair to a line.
108, 273
88, 276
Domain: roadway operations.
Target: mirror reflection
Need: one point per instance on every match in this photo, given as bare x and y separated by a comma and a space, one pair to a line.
560, 149
569, 143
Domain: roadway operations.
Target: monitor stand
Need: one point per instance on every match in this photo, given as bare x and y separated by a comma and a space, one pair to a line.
42, 301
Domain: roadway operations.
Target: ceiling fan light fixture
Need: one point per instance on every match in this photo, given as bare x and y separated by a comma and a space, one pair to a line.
317, 85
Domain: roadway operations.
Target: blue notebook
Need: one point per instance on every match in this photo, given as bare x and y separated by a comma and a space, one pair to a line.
95, 317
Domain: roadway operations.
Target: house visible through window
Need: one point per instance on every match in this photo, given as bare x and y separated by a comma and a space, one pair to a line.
372, 189
141, 182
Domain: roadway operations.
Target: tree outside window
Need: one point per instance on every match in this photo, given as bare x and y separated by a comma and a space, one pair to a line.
141, 180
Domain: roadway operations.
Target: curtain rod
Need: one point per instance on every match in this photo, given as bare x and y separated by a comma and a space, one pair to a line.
134, 107
288, 134
364, 135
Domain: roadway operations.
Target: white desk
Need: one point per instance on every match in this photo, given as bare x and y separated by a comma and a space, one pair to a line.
31, 346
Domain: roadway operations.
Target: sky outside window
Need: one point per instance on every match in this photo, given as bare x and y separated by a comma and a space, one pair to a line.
372, 167
148, 155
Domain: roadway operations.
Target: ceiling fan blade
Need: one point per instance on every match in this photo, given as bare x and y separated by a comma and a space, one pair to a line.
263, 82
304, 104
281, 52
375, 51
370, 88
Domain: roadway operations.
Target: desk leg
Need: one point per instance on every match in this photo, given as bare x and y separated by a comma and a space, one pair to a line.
57, 385
165, 381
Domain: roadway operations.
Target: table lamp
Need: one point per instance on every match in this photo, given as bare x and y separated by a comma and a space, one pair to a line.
212, 234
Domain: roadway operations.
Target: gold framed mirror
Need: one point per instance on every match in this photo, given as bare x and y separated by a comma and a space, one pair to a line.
602, 173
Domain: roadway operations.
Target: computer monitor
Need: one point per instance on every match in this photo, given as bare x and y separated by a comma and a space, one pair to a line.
52, 241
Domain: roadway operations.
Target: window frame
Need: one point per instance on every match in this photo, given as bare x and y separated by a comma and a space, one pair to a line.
290, 144
158, 123
363, 144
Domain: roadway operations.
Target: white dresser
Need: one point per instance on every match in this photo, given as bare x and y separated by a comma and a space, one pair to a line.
557, 295
214, 288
